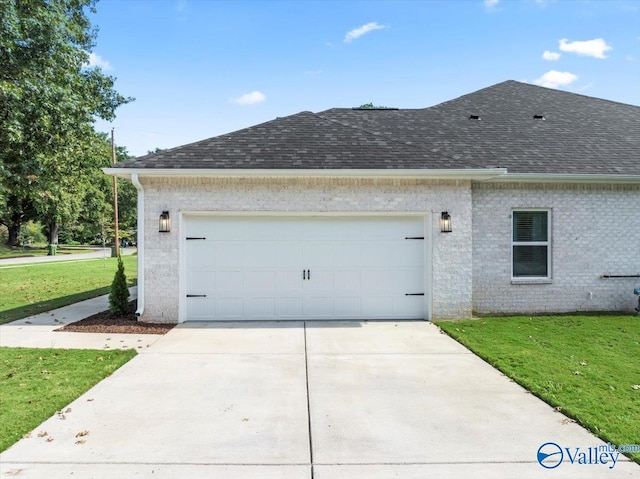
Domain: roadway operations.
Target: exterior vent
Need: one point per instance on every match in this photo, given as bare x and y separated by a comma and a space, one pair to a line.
538, 117
474, 117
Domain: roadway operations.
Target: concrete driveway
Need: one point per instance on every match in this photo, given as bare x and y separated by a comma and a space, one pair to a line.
305, 400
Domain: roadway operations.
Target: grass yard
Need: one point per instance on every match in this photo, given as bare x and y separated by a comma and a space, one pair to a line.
30, 251
587, 366
34, 288
35, 383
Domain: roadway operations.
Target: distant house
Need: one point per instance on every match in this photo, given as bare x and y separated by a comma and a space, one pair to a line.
511, 199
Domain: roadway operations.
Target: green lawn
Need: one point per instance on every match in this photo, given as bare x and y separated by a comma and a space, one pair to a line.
35, 383
30, 251
34, 288
587, 366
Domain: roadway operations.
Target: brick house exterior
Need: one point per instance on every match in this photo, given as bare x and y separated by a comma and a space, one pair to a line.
542, 188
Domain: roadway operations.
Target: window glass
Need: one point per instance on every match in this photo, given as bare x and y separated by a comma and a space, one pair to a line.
530, 226
530, 244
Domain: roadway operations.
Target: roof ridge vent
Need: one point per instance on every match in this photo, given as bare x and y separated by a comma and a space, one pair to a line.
474, 117
539, 117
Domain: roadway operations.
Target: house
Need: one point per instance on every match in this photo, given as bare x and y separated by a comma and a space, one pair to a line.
511, 199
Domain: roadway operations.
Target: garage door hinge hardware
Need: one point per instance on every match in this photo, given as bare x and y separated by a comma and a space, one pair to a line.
414, 294
414, 237
196, 296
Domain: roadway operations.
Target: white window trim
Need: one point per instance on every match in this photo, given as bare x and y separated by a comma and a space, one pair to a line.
533, 279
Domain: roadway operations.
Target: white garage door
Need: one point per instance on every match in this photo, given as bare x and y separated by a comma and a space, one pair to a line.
273, 268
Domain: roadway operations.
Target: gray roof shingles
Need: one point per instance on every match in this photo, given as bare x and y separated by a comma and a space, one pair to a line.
578, 135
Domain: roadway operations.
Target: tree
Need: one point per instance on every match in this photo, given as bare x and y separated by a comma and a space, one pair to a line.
49, 99
119, 296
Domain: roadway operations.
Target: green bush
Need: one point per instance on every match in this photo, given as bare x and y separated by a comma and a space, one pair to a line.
119, 296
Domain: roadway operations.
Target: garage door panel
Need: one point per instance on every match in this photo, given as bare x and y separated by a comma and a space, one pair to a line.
260, 308
224, 254
228, 281
252, 268
345, 280
347, 307
318, 307
200, 252
347, 254
230, 308
289, 307
260, 280
200, 308
317, 253
288, 254
259, 254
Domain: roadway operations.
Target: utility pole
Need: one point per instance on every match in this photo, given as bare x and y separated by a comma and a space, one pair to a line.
116, 234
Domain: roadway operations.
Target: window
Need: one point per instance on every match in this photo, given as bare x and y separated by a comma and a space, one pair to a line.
531, 247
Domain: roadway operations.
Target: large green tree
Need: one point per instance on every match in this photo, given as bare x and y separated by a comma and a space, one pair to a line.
49, 100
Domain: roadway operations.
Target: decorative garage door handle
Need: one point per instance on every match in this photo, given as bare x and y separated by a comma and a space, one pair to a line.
196, 296
306, 274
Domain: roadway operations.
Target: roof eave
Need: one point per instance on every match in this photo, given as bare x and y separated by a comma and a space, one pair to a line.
445, 174
565, 178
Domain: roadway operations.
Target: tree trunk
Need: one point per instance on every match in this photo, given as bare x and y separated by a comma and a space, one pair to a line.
53, 230
15, 223
14, 234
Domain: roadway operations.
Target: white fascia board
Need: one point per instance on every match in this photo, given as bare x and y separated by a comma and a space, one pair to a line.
447, 174
564, 178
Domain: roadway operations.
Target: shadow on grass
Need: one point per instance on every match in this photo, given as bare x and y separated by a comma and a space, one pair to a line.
47, 305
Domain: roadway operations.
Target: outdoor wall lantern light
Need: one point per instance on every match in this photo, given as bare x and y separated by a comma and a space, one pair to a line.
165, 223
445, 222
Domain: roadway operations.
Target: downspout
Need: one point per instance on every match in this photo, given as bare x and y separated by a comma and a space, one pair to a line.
138, 185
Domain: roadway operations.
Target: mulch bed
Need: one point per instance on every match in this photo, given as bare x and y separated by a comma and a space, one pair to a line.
105, 322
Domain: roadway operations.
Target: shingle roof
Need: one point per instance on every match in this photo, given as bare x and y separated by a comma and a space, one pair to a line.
578, 135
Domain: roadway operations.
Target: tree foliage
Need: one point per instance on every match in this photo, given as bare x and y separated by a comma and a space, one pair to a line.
119, 295
49, 100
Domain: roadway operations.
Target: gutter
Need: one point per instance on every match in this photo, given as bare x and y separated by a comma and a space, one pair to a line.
443, 174
565, 178
140, 226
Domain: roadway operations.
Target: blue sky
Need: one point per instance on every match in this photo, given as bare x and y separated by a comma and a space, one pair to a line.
203, 68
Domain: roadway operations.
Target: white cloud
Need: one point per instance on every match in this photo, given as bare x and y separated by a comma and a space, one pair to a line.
96, 60
595, 48
551, 56
489, 4
250, 98
555, 79
358, 32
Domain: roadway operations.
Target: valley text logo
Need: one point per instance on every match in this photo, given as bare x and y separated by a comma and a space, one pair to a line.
550, 455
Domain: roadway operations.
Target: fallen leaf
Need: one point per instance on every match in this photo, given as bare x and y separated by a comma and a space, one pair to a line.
13, 472
90, 399
49, 439
583, 363
43, 434
99, 358
577, 373
27, 435
636, 386
80, 441
27, 322
82, 434
68, 410
245, 419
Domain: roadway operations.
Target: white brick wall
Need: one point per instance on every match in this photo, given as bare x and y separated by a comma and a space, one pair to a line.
452, 253
595, 231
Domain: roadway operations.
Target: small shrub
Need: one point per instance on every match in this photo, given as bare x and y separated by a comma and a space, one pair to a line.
119, 296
